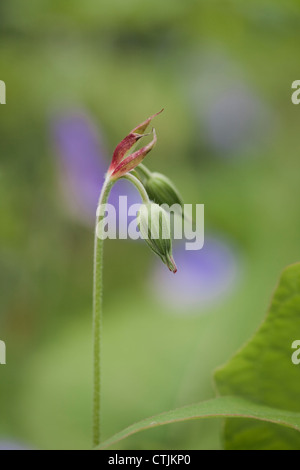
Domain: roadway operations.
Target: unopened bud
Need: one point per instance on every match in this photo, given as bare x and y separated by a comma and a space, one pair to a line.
154, 226
161, 190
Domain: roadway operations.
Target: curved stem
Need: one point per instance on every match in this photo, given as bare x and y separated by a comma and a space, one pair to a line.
97, 298
97, 316
139, 186
144, 170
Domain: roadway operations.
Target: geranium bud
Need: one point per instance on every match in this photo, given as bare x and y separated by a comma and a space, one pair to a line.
155, 229
122, 148
126, 144
161, 190
130, 162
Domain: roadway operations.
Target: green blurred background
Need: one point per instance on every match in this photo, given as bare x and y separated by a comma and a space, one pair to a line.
229, 138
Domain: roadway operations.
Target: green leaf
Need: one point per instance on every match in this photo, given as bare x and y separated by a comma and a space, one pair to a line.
256, 385
263, 372
232, 407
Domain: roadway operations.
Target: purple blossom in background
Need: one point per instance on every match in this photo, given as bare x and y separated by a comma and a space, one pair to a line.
203, 276
12, 445
83, 162
236, 120
231, 118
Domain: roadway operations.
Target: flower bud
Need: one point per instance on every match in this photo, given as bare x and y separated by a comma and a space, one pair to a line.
154, 226
119, 165
161, 190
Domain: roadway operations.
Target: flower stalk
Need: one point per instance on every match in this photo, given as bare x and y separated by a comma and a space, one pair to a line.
97, 318
123, 166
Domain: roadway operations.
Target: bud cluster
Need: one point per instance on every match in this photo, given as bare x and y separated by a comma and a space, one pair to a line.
153, 222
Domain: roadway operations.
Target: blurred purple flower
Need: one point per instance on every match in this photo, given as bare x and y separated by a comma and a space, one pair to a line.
83, 162
12, 445
203, 276
232, 118
236, 120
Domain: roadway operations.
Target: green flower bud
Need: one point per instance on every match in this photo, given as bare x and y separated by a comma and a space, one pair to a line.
154, 226
161, 190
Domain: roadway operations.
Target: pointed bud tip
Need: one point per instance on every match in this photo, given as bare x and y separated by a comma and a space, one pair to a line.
141, 127
171, 264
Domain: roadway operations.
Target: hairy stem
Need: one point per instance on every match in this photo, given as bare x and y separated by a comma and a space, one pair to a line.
139, 186
97, 298
144, 170
97, 315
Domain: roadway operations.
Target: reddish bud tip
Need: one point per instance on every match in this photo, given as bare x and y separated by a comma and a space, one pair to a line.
127, 143
143, 126
171, 264
133, 160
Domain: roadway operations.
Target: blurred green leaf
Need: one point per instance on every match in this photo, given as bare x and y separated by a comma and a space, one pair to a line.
263, 372
258, 383
232, 407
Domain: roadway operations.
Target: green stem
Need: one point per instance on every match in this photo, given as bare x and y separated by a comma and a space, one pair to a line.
97, 316
139, 186
143, 170
97, 299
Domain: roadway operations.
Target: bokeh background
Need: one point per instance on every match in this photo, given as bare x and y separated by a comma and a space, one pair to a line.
79, 76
